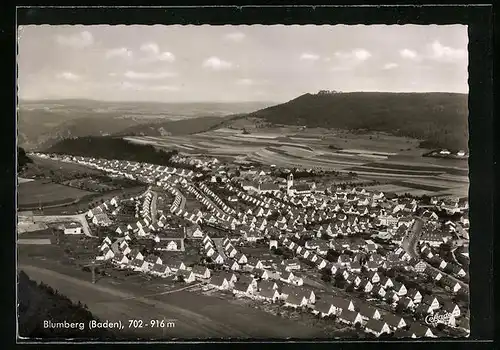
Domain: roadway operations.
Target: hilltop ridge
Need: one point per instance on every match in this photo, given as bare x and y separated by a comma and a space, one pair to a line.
438, 119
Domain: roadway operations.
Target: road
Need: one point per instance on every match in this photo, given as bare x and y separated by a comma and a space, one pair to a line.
218, 245
154, 210
195, 315
65, 218
411, 240
410, 246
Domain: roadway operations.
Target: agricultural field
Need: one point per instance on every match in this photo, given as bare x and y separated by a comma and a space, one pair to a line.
373, 156
45, 193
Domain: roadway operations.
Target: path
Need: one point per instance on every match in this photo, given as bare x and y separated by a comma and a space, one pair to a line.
154, 210
218, 245
410, 246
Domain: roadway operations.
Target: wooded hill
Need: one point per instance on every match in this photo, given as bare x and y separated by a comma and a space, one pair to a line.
39, 302
439, 119
108, 147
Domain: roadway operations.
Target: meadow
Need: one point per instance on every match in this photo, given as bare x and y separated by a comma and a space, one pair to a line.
45, 193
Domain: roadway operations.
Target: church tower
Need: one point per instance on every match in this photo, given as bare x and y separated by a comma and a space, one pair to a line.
289, 181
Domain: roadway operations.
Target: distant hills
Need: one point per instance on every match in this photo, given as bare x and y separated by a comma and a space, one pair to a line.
439, 119
43, 123
177, 127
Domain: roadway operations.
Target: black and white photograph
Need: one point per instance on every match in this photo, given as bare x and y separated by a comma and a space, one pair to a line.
187, 182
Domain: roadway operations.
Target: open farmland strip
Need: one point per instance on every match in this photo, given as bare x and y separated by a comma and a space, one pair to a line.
403, 166
418, 186
365, 168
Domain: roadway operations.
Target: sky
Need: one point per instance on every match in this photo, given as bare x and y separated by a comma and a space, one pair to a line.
237, 63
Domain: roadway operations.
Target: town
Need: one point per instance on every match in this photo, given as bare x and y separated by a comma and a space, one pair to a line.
379, 264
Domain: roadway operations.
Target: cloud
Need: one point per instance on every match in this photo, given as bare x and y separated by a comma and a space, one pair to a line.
356, 54
216, 63
235, 36
122, 52
409, 54
390, 65
148, 75
445, 53
68, 76
151, 48
154, 53
362, 54
126, 85
309, 57
78, 40
349, 60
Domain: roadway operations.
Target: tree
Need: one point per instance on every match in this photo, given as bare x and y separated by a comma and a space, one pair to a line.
326, 274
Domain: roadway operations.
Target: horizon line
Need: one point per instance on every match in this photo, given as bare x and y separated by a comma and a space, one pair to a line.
226, 101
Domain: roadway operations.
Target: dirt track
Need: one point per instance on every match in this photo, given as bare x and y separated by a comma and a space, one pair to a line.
196, 316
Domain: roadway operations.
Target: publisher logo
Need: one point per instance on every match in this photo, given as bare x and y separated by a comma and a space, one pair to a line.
436, 319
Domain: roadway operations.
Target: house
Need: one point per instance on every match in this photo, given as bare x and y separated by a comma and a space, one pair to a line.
243, 288
176, 265
201, 272
424, 309
172, 245
153, 259
452, 309
218, 259
418, 330
435, 274
295, 301
431, 302
266, 284
406, 303
394, 321
299, 291
324, 307
185, 275
339, 304
230, 277
194, 232
269, 294
106, 254
233, 265
391, 297
260, 273
241, 258
420, 266
374, 277
160, 270
368, 312
287, 276
415, 295
350, 317
399, 288
377, 327
387, 282
219, 282
120, 259
379, 291
139, 265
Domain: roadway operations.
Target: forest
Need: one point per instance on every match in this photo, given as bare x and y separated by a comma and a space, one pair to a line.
440, 120
108, 147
